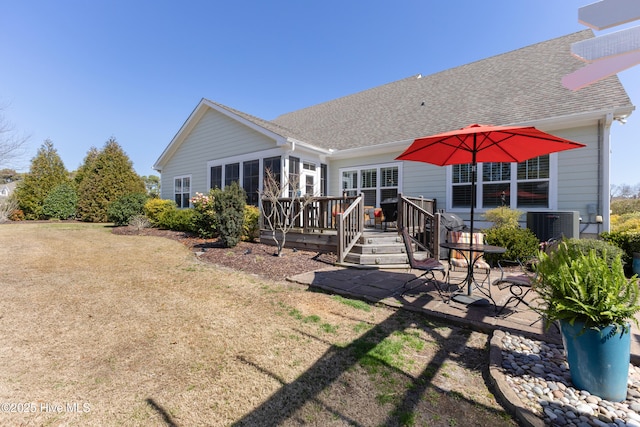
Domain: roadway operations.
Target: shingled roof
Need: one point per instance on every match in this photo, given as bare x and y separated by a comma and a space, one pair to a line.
515, 87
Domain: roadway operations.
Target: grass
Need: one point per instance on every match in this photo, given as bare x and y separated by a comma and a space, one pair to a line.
357, 304
144, 333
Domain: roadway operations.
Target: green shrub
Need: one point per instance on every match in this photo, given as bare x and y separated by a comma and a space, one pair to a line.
204, 214
121, 210
503, 217
176, 219
155, 208
61, 202
602, 248
229, 208
251, 228
627, 242
521, 243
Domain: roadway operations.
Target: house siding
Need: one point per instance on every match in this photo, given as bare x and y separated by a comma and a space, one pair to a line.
576, 180
578, 171
214, 137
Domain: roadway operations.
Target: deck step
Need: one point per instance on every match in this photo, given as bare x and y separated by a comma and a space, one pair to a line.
372, 249
375, 249
376, 259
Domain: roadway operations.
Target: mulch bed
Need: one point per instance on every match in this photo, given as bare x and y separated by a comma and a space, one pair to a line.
251, 257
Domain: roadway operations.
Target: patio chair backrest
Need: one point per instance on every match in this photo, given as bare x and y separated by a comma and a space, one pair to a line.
408, 247
459, 258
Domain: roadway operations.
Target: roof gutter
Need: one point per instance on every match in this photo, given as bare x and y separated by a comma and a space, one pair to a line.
577, 119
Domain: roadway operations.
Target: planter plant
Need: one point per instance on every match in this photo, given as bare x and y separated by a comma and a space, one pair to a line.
594, 303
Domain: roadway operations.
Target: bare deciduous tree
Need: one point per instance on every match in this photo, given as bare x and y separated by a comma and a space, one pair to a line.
280, 214
8, 206
12, 145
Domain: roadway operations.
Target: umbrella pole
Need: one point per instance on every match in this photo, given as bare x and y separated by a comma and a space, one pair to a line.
469, 298
474, 167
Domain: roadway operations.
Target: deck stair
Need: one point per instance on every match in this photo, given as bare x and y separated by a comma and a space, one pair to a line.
377, 249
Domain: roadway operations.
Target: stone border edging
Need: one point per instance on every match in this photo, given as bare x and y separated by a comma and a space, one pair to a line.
503, 392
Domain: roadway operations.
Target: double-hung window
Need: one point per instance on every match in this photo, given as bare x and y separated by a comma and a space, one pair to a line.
522, 185
182, 191
376, 182
533, 183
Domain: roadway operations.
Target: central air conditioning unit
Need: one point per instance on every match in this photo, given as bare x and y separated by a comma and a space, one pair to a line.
554, 225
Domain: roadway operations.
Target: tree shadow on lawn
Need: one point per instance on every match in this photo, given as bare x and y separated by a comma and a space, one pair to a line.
449, 407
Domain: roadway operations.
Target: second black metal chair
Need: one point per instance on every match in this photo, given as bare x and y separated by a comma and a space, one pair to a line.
519, 283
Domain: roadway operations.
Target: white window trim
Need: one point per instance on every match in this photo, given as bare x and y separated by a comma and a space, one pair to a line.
376, 166
181, 178
553, 188
258, 155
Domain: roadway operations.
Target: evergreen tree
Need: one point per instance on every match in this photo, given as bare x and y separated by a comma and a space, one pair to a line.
46, 172
61, 203
106, 176
84, 169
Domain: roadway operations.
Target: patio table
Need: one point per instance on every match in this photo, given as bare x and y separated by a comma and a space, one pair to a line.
475, 251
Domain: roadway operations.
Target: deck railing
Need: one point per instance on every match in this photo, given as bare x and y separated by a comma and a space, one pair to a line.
422, 221
344, 216
320, 213
350, 227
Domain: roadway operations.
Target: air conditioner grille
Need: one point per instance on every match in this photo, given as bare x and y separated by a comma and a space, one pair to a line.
553, 225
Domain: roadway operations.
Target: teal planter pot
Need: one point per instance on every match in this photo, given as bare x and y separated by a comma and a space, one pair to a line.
598, 360
636, 263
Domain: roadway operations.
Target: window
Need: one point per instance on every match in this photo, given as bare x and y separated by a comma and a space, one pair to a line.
461, 186
294, 175
182, 191
246, 171
323, 179
368, 186
274, 165
231, 173
496, 178
251, 180
216, 177
350, 183
376, 183
388, 183
533, 183
309, 185
498, 182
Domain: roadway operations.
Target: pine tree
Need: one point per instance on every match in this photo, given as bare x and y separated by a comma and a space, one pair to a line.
106, 176
46, 172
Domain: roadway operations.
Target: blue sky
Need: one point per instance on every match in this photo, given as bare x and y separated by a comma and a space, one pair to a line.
79, 72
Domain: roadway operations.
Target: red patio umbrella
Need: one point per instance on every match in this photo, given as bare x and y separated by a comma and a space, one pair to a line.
484, 143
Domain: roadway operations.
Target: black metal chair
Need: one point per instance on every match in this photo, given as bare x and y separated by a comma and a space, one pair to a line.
519, 277
515, 276
428, 265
